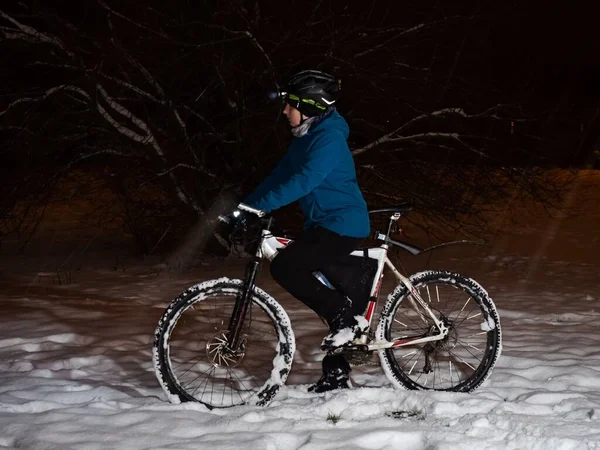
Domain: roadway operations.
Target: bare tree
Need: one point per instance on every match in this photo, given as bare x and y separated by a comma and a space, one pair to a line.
165, 103
118, 106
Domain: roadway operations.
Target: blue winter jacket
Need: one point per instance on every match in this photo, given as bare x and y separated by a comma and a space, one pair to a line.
318, 171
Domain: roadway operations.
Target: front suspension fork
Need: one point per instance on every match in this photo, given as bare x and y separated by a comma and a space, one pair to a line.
243, 303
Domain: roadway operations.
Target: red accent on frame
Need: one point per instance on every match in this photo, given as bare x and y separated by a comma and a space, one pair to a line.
283, 241
370, 310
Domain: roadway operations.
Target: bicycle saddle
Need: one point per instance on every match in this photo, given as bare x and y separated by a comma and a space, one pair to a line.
400, 208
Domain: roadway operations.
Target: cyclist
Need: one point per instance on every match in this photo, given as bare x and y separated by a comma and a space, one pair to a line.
318, 171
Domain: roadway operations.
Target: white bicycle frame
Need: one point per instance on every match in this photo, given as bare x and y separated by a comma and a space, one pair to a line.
271, 244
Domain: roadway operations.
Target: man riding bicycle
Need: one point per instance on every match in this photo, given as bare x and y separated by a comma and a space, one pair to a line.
318, 171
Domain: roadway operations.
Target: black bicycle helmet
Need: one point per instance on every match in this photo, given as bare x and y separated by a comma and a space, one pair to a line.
312, 92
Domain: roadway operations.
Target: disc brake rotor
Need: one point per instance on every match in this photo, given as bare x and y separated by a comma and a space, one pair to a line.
221, 355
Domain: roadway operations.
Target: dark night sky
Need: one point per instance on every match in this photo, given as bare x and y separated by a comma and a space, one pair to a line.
531, 54
529, 51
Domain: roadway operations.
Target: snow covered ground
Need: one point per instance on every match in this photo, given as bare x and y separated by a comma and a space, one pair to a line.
76, 368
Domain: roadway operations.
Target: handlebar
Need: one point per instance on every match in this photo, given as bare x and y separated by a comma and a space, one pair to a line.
250, 209
242, 207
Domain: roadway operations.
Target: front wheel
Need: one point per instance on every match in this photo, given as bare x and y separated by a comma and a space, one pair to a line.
194, 360
464, 358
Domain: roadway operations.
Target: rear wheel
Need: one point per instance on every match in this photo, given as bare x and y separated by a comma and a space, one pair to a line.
193, 356
459, 362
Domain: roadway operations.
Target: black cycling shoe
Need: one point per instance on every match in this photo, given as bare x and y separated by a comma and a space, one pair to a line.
330, 382
336, 375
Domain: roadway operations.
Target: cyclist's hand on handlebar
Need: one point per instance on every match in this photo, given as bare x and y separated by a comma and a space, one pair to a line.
240, 224
253, 211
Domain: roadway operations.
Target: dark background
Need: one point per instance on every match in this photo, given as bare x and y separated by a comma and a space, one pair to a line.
78, 81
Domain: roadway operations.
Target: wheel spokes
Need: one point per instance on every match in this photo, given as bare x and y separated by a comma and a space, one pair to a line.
445, 363
205, 366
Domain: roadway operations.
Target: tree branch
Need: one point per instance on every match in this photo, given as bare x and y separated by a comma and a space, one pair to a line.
45, 95
31, 33
444, 113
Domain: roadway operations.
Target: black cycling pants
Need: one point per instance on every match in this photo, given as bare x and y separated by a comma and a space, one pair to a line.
293, 266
